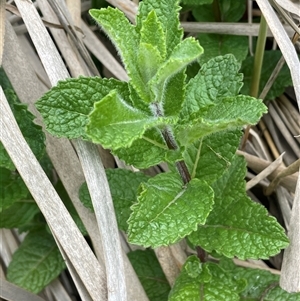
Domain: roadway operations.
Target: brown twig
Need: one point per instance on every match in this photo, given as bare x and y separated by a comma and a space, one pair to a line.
291, 169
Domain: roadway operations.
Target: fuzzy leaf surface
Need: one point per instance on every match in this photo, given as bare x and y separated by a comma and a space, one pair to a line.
114, 123
202, 282
152, 47
270, 60
36, 262
65, 108
126, 40
166, 211
18, 214
152, 33
149, 61
174, 94
13, 188
183, 54
218, 78
150, 274
167, 12
208, 158
123, 186
232, 112
145, 152
216, 45
237, 226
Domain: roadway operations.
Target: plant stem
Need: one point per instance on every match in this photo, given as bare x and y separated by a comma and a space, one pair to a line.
257, 66
172, 144
201, 254
258, 57
217, 11
180, 165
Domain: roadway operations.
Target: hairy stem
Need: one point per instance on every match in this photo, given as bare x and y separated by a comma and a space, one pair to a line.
180, 165
172, 144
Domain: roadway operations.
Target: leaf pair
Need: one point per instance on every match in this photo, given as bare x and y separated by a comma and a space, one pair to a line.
226, 281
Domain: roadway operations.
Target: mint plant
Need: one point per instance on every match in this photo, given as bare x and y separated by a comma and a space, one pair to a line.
193, 125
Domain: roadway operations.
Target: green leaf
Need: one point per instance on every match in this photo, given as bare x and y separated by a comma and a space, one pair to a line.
148, 151
18, 214
237, 226
167, 211
187, 285
137, 102
229, 11
152, 34
220, 288
167, 14
126, 40
4, 81
150, 274
231, 113
32, 132
36, 223
148, 61
183, 54
218, 78
270, 60
216, 45
174, 93
65, 108
36, 263
115, 124
123, 186
208, 158
13, 188
277, 293
85, 197
205, 282
220, 274
259, 283
5, 160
